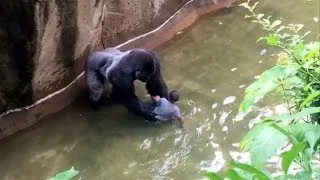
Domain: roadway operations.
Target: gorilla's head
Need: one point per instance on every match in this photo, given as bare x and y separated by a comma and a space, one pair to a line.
144, 64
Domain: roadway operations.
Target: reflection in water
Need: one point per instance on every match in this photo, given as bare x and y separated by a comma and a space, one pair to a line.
229, 100
173, 158
223, 117
233, 69
242, 157
210, 65
216, 164
145, 144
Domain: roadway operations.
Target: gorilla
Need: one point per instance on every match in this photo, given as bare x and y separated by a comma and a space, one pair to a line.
118, 70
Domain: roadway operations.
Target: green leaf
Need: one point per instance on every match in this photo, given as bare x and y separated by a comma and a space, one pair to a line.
233, 175
289, 156
269, 80
252, 96
257, 139
272, 74
306, 112
293, 82
305, 132
284, 132
65, 175
295, 117
273, 40
281, 118
248, 168
247, 102
310, 98
313, 46
213, 176
301, 175
316, 174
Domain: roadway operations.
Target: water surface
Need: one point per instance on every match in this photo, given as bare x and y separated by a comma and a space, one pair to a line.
210, 65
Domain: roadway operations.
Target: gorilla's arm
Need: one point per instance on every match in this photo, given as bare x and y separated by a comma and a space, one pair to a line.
124, 88
155, 85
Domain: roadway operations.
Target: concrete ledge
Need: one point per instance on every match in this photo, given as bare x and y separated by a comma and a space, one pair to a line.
15, 120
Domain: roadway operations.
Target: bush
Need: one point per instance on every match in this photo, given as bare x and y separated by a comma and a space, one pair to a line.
296, 77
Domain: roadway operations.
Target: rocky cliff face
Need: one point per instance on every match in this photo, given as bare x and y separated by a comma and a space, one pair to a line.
126, 19
17, 48
44, 43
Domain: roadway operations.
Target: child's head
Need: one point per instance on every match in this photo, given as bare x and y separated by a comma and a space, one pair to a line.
174, 96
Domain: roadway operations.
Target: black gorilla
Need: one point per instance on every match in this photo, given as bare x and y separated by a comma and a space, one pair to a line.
120, 69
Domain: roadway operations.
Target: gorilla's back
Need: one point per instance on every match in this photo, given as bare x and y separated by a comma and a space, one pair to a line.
98, 59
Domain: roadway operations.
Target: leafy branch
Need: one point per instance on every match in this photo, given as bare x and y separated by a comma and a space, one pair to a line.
303, 58
297, 76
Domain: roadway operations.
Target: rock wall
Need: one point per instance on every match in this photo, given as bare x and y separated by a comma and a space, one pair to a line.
125, 19
17, 48
44, 43
67, 31
18, 119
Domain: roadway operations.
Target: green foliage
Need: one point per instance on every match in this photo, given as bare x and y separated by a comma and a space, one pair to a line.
268, 81
260, 137
240, 171
268, 137
306, 133
232, 174
296, 77
249, 169
292, 118
311, 97
213, 176
289, 156
65, 175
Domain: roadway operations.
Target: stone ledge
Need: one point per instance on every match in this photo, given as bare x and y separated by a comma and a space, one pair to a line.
16, 120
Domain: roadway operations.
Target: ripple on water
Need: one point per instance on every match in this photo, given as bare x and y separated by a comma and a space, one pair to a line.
229, 100
215, 165
223, 117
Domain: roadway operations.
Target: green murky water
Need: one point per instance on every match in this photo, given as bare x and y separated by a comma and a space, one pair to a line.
210, 65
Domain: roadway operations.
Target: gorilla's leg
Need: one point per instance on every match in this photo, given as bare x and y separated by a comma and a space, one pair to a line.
95, 87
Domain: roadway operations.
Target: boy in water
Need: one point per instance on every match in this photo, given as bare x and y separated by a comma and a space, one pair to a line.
166, 109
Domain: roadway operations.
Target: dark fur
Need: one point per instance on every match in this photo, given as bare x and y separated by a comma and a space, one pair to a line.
138, 64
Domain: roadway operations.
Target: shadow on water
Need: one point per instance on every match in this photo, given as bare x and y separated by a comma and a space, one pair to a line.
210, 65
